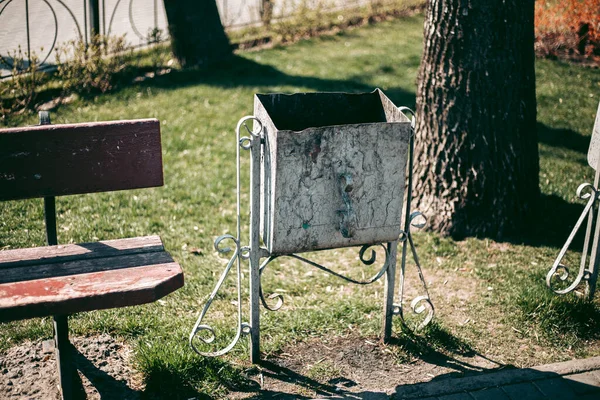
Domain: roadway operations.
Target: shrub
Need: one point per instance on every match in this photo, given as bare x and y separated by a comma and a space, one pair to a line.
567, 25
91, 67
19, 90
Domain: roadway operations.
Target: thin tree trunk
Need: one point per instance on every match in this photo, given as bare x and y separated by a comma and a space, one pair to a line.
477, 165
266, 12
197, 35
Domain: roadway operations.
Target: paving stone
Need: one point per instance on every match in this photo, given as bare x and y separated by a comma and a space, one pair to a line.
456, 396
575, 379
587, 382
48, 346
490, 394
522, 391
590, 396
556, 388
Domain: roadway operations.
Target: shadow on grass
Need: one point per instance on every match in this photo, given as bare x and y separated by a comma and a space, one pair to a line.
437, 346
188, 377
553, 222
565, 321
563, 138
237, 72
240, 71
433, 339
553, 218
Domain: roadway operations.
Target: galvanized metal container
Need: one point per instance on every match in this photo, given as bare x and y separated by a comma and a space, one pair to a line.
333, 170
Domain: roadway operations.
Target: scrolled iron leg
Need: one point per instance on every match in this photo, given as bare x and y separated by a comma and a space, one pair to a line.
420, 304
588, 269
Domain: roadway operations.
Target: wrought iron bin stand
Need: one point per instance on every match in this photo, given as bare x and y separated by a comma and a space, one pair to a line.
559, 279
328, 170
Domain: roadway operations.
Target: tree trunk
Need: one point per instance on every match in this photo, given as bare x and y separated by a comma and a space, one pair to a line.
197, 35
266, 12
477, 163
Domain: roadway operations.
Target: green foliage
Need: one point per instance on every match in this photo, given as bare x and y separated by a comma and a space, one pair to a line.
91, 67
18, 92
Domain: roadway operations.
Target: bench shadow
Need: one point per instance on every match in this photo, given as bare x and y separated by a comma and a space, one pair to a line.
106, 385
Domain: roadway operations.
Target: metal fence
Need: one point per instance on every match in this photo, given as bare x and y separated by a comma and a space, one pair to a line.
39, 26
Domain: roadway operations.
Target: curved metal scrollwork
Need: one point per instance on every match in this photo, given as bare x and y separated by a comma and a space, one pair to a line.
5, 3
73, 21
272, 296
367, 261
242, 328
560, 272
420, 305
239, 253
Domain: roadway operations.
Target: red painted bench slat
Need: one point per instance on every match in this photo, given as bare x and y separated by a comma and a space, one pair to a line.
97, 287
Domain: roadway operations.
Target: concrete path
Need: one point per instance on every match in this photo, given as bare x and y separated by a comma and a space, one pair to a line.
577, 379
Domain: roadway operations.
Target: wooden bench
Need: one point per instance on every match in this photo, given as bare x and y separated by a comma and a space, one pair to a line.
53, 160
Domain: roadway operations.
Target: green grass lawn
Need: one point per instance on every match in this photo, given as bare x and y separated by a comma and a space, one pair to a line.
490, 297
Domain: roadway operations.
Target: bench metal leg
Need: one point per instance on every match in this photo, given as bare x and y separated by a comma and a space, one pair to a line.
64, 360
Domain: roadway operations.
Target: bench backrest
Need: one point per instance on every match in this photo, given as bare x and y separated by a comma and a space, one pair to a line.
55, 160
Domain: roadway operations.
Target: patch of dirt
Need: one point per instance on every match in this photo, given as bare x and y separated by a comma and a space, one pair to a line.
354, 367
28, 371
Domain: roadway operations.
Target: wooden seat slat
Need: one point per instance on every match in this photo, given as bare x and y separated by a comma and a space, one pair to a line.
89, 291
80, 251
74, 267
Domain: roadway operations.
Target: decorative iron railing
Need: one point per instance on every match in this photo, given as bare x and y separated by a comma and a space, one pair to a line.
38, 26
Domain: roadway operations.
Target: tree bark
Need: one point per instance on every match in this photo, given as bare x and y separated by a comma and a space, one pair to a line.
197, 35
477, 162
266, 12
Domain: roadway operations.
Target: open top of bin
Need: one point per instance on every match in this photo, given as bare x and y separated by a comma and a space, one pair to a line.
327, 109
